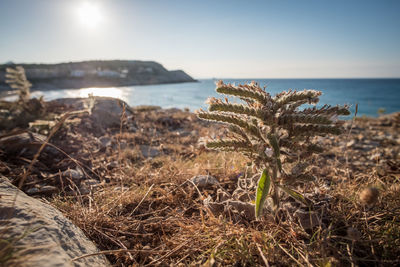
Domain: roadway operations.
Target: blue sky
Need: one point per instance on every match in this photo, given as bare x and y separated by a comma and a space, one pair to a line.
219, 38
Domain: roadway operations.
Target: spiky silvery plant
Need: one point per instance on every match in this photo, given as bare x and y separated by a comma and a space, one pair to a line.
16, 79
274, 133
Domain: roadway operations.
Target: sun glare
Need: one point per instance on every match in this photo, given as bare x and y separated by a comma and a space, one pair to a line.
108, 92
89, 14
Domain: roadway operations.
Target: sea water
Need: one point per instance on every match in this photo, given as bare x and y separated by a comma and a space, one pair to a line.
371, 95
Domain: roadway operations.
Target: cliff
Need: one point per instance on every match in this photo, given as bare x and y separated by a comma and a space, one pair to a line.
96, 74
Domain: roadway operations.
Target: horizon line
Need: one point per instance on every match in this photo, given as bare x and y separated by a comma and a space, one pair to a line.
294, 78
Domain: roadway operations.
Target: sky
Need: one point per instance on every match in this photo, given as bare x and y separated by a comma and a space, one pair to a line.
211, 38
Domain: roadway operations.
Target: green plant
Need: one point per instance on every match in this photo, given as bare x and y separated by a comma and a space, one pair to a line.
274, 133
16, 79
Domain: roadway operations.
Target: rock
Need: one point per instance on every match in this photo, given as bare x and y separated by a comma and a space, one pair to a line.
149, 151
87, 186
229, 207
42, 190
84, 190
105, 141
245, 209
91, 183
74, 174
26, 144
48, 189
32, 190
106, 112
132, 129
51, 239
202, 181
122, 145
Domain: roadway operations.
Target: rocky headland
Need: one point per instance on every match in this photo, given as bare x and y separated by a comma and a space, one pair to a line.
107, 73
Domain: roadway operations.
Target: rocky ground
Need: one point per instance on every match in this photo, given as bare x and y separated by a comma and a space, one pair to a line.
140, 184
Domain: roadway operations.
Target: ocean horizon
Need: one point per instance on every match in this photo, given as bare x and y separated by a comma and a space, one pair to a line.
371, 94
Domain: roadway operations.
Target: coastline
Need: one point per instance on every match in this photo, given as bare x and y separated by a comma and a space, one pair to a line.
371, 97
85, 74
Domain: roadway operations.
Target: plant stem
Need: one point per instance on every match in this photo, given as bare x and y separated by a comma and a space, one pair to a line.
275, 196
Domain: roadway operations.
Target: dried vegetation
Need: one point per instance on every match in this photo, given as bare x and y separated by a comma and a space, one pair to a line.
129, 188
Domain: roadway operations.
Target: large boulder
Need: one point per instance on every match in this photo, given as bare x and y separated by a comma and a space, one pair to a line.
25, 144
106, 112
51, 239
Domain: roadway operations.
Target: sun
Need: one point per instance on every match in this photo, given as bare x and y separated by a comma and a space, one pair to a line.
89, 14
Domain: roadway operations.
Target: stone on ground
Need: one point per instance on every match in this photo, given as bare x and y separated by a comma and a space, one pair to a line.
51, 239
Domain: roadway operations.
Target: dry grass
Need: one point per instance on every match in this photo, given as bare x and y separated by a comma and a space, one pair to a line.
144, 212
169, 216
171, 226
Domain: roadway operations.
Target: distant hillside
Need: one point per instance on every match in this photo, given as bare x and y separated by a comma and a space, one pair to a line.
96, 74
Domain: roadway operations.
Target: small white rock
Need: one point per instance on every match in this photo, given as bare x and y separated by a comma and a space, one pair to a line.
269, 152
202, 181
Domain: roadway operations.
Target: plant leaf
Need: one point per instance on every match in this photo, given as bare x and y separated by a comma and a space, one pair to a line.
296, 195
262, 191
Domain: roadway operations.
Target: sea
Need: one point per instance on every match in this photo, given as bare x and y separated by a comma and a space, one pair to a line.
373, 96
